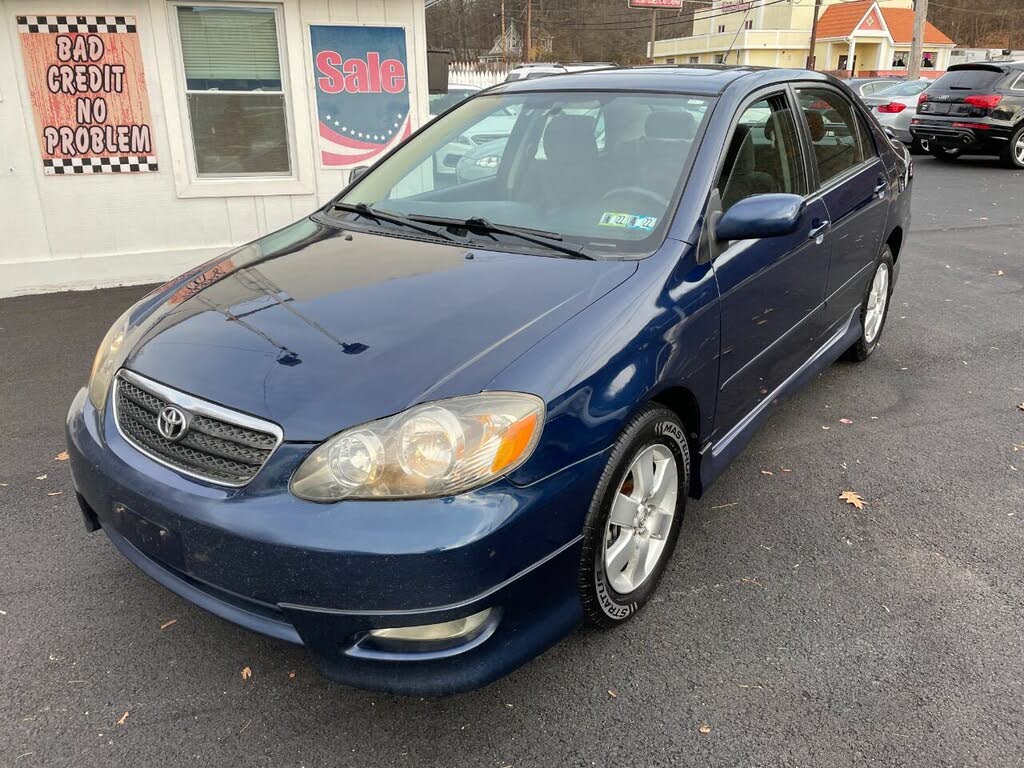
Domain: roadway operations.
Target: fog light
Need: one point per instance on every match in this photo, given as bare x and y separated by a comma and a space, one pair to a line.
457, 629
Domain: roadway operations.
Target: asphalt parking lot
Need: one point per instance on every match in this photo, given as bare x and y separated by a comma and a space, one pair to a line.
791, 629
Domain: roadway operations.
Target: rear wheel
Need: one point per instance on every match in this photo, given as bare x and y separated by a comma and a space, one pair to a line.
945, 154
874, 308
634, 518
919, 147
1013, 155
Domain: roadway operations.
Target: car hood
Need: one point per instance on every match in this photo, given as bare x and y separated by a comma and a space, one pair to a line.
318, 329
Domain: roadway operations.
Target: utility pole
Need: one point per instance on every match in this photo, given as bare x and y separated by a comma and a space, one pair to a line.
814, 36
654, 32
504, 36
528, 42
916, 47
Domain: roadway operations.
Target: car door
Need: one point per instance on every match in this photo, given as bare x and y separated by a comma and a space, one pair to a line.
854, 184
772, 290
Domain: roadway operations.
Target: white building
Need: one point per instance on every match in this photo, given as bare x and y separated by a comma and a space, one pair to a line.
208, 135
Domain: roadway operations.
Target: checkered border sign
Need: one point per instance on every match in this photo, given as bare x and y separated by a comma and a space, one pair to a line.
51, 25
79, 165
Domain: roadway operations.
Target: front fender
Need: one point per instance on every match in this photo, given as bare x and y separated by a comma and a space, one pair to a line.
658, 331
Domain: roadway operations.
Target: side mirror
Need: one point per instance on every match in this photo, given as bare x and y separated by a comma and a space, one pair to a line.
356, 172
770, 215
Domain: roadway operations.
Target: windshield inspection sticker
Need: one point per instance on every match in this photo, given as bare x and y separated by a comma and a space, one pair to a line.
627, 221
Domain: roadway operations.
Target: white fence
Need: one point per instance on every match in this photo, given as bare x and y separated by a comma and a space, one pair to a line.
482, 74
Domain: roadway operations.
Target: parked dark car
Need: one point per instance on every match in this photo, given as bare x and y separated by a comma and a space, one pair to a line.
430, 429
974, 109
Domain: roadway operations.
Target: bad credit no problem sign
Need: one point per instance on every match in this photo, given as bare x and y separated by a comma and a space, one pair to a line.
88, 94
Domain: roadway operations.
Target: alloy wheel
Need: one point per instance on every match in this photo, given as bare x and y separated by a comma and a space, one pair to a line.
1018, 149
878, 297
641, 517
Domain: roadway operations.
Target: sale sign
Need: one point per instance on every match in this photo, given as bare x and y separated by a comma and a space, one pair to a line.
88, 94
362, 92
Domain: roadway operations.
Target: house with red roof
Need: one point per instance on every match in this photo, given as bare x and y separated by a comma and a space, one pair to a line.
870, 38
860, 38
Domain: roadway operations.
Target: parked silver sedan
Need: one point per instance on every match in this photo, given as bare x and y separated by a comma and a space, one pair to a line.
895, 106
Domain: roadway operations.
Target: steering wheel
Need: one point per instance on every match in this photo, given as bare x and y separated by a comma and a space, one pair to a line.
654, 197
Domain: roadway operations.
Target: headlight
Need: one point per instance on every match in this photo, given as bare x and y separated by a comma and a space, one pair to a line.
108, 358
488, 161
437, 449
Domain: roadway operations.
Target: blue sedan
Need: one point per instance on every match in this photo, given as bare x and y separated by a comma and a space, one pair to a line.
432, 428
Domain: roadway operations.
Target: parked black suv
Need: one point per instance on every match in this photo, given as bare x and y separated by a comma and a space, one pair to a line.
974, 109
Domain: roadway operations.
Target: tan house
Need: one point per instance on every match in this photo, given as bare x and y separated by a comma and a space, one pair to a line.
854, 38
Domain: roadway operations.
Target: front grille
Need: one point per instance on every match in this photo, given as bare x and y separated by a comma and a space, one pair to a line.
217, 445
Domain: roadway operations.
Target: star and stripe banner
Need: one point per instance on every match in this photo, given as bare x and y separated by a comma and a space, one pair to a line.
362, 92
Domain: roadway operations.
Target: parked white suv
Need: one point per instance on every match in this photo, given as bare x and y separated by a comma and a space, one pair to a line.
548, 68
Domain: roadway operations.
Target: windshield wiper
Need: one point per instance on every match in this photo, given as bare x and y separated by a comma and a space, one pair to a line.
541, 237
368, 212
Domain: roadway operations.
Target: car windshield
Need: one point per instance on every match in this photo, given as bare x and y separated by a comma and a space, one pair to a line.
904, 89
599, 170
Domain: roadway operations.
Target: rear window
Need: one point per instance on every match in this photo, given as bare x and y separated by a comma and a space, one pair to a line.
968, 80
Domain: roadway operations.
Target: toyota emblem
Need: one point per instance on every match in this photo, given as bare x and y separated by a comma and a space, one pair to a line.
172, 423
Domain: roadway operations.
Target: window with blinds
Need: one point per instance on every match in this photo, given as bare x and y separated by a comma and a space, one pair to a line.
234, 89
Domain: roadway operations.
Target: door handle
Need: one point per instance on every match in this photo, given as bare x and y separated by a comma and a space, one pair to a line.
881, 187
819, 230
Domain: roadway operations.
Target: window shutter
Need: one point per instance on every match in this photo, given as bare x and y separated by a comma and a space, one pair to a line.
229, 48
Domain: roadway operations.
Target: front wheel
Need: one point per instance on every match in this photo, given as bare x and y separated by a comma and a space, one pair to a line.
633, 523
874, 308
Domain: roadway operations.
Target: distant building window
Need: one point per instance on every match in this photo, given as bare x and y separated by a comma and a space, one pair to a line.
695, 59
234, 90
719, 58
670, 60
721, 28
900, 59
748, 24
928, 60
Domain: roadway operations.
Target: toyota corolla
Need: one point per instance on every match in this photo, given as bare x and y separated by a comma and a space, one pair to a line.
435, 426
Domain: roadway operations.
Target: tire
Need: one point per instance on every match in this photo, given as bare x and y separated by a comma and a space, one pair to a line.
1013, 155
871, 333
946, 155
612, 598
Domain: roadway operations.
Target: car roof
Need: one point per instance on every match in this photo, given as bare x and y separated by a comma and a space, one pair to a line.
991, 66
694, 79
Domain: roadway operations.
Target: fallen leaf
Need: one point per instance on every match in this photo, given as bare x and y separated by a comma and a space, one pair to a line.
62, 456
734, 503
1000, 273
824, 427
167, 624
752, 582
55, 493
1019, 408
704, 728
291, 675
846, 421
246, 673
767, 472
123, 718
853, 498
613, 694
786, 469
41, 477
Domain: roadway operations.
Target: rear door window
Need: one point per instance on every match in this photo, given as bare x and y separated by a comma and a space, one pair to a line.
835, 135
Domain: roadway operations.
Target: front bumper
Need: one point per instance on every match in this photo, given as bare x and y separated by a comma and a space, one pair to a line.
322, 575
